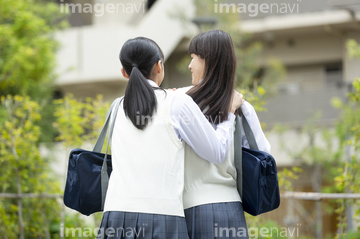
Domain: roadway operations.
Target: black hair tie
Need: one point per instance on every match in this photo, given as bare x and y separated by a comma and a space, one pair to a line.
135, 65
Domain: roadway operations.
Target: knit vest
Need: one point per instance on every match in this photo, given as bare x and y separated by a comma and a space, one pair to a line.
207, 182
148, 165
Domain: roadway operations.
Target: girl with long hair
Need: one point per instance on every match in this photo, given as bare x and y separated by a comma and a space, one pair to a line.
212, 203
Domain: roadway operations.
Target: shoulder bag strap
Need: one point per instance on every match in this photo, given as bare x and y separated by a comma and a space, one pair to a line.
238, 154
242, 121
248, 132
100, 141
104, 174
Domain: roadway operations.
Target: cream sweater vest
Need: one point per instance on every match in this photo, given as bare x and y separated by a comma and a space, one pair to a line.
148, 165
206, 182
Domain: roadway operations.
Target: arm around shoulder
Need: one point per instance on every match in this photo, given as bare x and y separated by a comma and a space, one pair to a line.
192, 126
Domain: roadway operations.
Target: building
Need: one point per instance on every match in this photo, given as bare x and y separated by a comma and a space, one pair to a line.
88, 60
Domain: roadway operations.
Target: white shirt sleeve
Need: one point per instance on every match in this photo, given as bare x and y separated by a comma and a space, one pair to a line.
192, 126
253, 120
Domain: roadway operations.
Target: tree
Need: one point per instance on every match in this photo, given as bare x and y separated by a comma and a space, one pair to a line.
79, 122
27, 47
27, 53
27, 61
348, 132
23, 170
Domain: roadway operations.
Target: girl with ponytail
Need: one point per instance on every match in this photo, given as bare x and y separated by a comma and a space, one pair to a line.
144, 196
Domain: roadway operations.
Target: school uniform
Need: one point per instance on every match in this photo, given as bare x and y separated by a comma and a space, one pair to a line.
212, 203
145, 193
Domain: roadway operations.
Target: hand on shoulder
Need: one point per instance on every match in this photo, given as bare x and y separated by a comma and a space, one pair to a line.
237, 100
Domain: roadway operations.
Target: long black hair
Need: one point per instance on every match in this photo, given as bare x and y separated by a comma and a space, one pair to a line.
213, 94
138, 57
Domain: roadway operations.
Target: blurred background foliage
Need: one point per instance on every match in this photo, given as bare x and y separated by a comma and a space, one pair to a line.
23, 170
27, 64
27, 54
30, 116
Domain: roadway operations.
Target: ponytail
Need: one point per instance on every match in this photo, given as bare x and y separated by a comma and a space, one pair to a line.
138, 57
139, 100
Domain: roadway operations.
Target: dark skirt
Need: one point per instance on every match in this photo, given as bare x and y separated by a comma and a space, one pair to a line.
129, 225
216, 220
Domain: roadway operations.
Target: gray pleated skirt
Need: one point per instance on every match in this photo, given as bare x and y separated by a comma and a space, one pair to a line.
130, 225
216, 220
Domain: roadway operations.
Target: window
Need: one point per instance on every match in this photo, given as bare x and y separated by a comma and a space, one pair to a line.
333, 76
